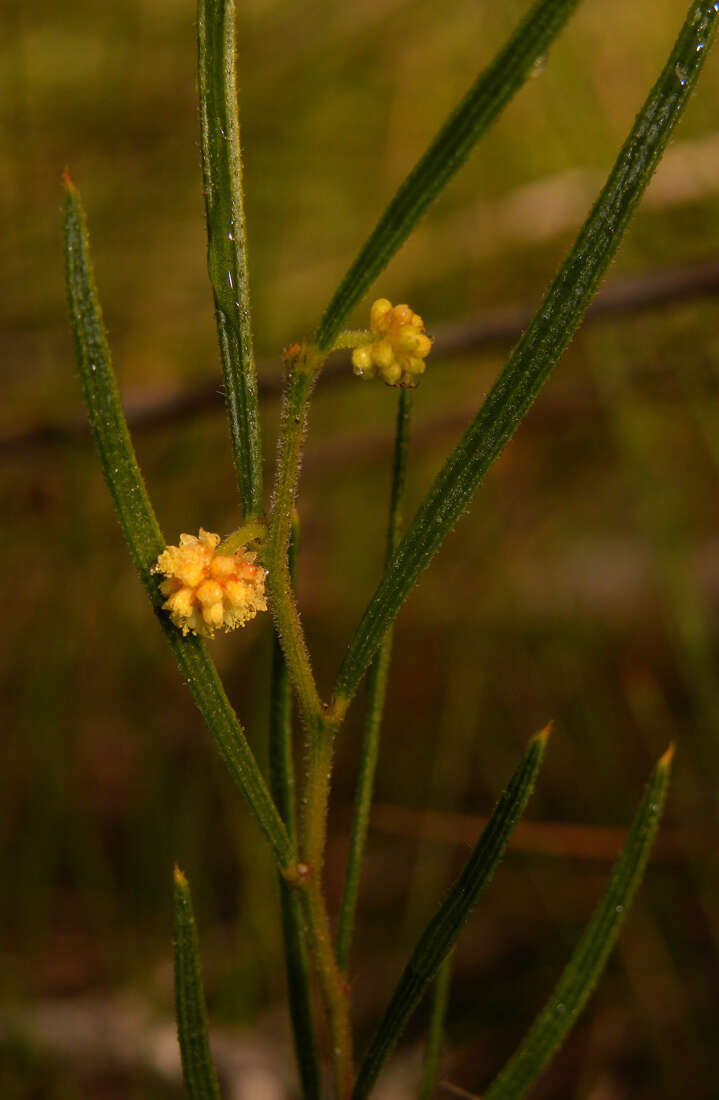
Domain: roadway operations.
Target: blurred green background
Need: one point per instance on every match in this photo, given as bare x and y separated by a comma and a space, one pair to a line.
583, 586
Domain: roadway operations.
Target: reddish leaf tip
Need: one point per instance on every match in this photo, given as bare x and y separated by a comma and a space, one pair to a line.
543, 734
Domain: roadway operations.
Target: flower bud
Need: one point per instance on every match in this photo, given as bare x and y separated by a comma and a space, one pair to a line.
362, 363
383, 355
380, 315
399, 348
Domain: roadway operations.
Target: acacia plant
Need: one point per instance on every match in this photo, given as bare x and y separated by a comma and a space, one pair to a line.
205, 583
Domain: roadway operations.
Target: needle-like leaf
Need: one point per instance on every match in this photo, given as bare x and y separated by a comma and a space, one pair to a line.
445, 156
435, 1030
443, 930
226, 240
547, 336
197, 1068
586, 964
140, 526
377, 681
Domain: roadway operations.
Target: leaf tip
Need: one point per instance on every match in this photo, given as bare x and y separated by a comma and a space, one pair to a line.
66, 181
665, 760
179, 879
543, 736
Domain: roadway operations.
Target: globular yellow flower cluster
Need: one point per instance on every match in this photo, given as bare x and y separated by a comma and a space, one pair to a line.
206, 590
399, 348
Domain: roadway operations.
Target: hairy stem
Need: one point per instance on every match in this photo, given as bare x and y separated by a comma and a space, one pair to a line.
332, 984
282, 786
301, 371
302, 364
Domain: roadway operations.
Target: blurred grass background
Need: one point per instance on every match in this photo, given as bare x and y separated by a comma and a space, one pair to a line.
582, 587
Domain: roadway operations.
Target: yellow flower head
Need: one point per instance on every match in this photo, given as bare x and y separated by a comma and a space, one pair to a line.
206, 590
399, 348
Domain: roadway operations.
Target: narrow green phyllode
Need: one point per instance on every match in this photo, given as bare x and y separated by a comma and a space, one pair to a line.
197, 1068
547, 336
443, 930
227, 240
435, 1031
445, 156
141, 529
586, 964
377, 681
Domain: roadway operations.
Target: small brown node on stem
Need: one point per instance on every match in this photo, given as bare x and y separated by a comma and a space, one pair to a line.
296, 874
291, 355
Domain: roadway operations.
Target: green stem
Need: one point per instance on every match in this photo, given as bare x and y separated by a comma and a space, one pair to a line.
281, 756
317, 790
226, 240
301, 372
302, 366
335, 993
435, 1034
376, 694
282, 786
